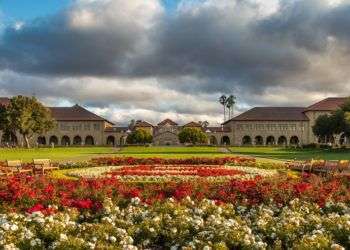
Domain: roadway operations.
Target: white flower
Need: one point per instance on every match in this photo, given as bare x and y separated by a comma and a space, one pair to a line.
14, 227
63, 237
337, 247
112, 239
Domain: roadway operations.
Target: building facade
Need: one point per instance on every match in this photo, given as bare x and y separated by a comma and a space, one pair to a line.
282, 126
260, 126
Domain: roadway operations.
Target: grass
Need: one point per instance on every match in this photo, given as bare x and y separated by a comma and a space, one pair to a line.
62, 154
290, 153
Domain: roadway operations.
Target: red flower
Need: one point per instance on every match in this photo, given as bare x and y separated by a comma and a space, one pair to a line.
36, 208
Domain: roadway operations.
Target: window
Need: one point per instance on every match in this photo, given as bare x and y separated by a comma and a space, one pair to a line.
76, 127
87, 127
64, 127
96, 126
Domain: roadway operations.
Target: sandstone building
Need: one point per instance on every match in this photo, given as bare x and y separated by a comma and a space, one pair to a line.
261, 126
282, 125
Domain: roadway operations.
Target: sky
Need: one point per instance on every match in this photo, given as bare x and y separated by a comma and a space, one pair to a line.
160, 59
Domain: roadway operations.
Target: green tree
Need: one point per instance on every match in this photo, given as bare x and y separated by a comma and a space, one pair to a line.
192, 135
28, 116
324, 128
139, 136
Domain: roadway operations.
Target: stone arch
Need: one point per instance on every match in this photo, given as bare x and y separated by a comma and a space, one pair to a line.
259, 140
246, 140
41, 140
89, 140
282, 141
53, 140
65, 141
270, 140
294, 140
225, 140
77, 140
110, 140
9, 138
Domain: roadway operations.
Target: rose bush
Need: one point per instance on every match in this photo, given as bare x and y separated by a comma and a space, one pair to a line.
23, 193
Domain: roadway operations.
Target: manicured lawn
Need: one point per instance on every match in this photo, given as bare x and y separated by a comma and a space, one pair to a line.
55, 154
172, 152
85, 153
289, 154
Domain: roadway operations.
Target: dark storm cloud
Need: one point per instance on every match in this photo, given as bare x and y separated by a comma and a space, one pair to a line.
141, 57
89, 39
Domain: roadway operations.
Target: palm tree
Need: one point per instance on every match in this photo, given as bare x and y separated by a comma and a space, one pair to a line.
223, 101
231, 101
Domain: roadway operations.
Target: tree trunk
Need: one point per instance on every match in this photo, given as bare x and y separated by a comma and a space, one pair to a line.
26, 141
224, 113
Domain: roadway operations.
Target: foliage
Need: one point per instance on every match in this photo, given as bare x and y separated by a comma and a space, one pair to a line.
139, 136
28, 116
193, 136
324, 128
337, 123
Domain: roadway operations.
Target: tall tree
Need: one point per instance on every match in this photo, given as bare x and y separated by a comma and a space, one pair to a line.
28, 116
223, 101
230, 102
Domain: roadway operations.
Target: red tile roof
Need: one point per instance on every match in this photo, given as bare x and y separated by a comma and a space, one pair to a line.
328, 104
272, 114
143, 124
167, 121
75, 113
192, 124
4, 101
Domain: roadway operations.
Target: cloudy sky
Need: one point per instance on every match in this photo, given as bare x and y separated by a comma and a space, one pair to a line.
153, 59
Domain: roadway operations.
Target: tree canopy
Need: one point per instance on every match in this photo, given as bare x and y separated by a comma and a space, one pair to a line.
326, 126
27, 116
193, 136
139, 136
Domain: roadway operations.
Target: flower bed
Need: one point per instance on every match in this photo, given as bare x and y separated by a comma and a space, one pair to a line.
166, 173
127, 161
165, 170
191, 224
277, 212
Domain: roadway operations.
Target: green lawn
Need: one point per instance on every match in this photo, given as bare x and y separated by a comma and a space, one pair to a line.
289, 154
84, 153
172, 152
55, 154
